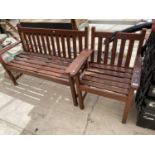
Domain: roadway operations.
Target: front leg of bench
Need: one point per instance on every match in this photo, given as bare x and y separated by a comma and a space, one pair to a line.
72, 71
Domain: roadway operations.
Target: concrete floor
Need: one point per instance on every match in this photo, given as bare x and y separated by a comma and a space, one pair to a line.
39, 106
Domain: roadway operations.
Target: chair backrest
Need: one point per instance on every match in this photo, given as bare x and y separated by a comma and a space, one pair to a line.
61, 43
117, 52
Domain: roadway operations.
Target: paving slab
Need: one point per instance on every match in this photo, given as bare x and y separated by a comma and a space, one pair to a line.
104, 119
7, 128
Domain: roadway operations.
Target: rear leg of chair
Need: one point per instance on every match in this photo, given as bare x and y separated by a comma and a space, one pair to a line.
73, 91
81, 105
13, 79
127, 106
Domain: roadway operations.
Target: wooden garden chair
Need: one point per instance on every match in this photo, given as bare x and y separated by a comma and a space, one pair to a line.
109, 72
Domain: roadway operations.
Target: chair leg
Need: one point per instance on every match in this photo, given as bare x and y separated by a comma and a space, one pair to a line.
73, 91
13, 79
127, 106
81, 105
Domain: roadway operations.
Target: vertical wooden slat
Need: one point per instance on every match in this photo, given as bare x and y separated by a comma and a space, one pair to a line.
63, 46
48, 44
106, 51
53, 44
121, 53
58, 45
43, 43
130, 49
80, 43
30, 45
35, 44
86, 37
99, 52
92, 42
22, 39
26, 43
74, 46
39, 44
68, 47
113, 52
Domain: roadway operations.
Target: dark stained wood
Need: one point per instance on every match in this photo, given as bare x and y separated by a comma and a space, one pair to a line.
108, 78
105, 87
128, 57
86, 38
58, 45
74, 46
113, 52
92, 42
73, 91
53, 45
43, 44
109, 72
63, 46
25, 42
121, 53
39, 44
30, 45
99, 50
113, 68
80, 42
65, 64
106, 82
48, 45
81, 105
106, 51
45, 55
40, 75
78, 62
127, 106
69, 47
103, 92
35, 44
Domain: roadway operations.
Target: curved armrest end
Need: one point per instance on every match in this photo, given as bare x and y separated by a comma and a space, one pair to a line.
77, 63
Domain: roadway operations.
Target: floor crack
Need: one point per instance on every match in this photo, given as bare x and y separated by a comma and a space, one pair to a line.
88, 117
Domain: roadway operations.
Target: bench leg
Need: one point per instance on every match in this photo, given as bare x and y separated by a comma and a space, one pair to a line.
81, 105
127, 106
13, 79
73, 91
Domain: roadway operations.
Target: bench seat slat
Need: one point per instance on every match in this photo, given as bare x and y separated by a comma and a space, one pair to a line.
41, 66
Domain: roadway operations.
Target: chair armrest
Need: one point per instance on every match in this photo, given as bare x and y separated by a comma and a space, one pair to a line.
135, 82
77, 63
5, 49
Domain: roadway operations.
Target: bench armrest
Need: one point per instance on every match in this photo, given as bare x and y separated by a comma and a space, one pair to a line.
5, 49
77, 63
135, 82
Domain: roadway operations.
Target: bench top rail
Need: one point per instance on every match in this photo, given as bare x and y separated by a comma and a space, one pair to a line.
55, 42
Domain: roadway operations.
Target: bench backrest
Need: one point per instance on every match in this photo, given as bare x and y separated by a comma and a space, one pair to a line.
61, 43
117, 52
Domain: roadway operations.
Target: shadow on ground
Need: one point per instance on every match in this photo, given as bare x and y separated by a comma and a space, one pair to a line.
38, 106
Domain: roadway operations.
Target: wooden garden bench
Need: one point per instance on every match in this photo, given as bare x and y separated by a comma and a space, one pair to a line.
109, 72
46, 54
